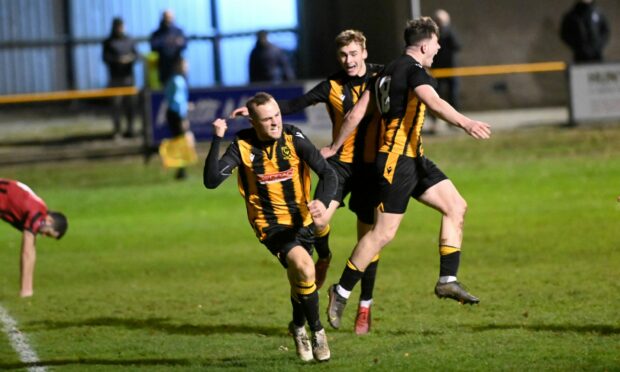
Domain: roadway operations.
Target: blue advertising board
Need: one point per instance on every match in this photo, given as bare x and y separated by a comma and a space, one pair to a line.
210, 104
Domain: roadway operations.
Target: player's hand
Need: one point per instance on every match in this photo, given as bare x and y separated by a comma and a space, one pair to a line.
26, 293
478, 129
240, 111
219, 127
317, 211
328, 152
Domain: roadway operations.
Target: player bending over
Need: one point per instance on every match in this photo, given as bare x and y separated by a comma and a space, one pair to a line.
27, 212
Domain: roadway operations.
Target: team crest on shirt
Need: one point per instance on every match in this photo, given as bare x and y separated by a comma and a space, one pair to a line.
286, 152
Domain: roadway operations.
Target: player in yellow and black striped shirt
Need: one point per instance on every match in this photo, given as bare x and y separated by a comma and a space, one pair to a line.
339, 92
403, 92
274, 162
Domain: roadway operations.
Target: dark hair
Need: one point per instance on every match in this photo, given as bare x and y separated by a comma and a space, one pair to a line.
420, 29
60, 223
116, 23
261, 35
259, 99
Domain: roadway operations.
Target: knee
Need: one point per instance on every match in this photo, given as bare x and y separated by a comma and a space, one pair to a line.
383, 236
458, 208
304, 270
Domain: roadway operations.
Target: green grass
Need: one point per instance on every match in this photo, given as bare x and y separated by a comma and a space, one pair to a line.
162, 275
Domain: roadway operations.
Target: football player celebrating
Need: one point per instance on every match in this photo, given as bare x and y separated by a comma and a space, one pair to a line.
274, 180
403, 92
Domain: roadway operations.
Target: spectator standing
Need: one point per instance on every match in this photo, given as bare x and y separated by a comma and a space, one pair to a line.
119, 54
168, 41
585, 30
448, 87
268, 63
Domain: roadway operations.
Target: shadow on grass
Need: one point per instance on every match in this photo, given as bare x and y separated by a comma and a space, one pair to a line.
96, 361
162, 325
219, 363
601, 329
404, 332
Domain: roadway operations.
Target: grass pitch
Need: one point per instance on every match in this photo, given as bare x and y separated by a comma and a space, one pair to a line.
162, 275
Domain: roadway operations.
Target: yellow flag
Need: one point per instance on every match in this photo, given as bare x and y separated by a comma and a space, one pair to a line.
177, 152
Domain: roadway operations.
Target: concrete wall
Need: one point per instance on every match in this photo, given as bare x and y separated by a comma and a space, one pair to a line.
491, 31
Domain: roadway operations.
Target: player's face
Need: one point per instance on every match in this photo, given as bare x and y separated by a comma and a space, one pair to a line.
432, 47
352, 59
47, 229
267, 121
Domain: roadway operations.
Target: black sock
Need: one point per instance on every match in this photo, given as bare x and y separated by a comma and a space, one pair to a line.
321, 243
299, 317
350, 276
449, 260
368, 281
310, 305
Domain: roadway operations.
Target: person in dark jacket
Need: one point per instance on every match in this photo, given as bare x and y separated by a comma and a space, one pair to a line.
119, 54
585, 30
268, 63
168, 41
447, 87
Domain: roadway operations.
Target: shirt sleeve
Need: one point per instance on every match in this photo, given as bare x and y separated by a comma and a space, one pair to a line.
320, 93
311, 156
217, 170
418, 76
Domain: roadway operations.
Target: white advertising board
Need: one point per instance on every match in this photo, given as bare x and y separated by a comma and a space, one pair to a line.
594, 91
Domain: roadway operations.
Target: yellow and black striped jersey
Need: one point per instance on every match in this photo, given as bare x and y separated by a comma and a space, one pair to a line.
339, 92
402, 111
273, 176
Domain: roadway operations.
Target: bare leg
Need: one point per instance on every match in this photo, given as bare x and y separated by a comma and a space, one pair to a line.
445, 198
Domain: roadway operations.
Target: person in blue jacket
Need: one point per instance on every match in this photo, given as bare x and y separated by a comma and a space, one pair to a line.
176, 93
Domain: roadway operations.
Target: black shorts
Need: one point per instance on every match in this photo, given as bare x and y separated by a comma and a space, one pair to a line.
175, 123
365, 192
344, 172
281, 239
404, 177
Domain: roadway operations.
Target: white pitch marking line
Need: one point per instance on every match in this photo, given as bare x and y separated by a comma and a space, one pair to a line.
19, 341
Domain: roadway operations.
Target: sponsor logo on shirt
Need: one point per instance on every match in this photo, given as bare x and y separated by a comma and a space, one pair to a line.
275, 177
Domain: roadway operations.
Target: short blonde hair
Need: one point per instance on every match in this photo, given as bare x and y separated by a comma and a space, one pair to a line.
346, 37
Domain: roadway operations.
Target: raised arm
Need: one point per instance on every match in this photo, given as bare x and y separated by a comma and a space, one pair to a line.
311, 156
216, 170
441, 108
320, 93
27, 261
351, 120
